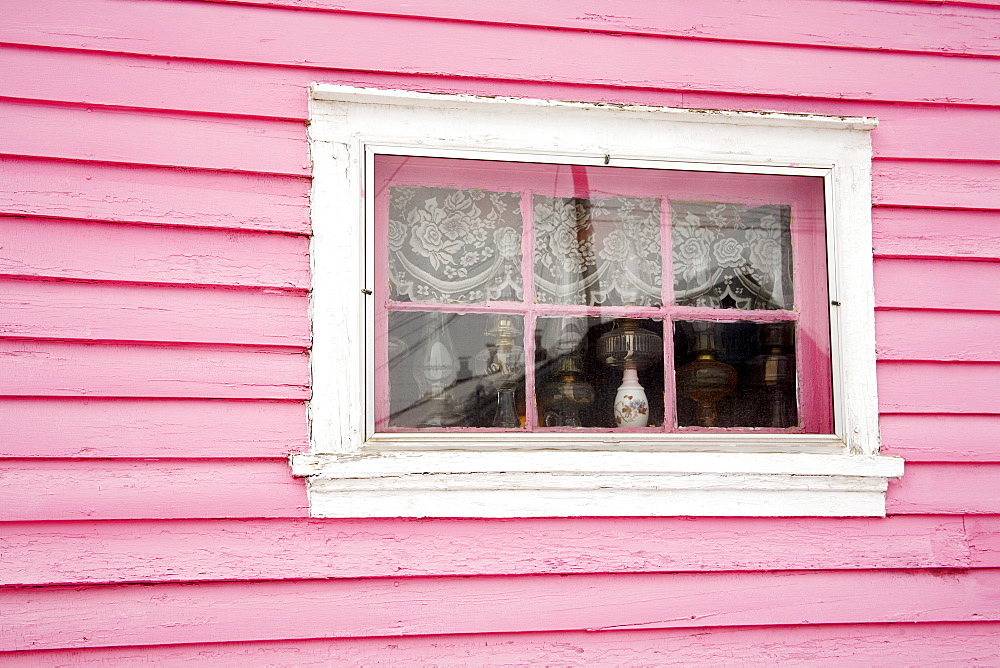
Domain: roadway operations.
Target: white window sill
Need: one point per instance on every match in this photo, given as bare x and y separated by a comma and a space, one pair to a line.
563, 483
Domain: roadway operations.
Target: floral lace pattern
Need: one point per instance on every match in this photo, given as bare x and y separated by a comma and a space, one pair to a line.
732, 256
449, 245
597, 252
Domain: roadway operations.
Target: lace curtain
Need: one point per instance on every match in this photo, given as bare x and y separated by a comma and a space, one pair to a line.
732, 256
449, 245
597, 252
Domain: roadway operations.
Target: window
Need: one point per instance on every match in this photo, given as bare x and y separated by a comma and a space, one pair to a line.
551, 297
532, 308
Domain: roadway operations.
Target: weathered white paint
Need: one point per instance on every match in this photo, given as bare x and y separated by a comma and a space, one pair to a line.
388, 464
677, 442
328, 498
545, 483
349, 125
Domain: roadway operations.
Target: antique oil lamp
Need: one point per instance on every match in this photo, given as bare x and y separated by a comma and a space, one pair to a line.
774, 374
503, 365
705, 380
630, 347
567, 397
435, 373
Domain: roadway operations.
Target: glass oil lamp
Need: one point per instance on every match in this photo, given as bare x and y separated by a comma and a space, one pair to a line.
705, 380
565, 399
503, 365
630, 347
568, 397
774, 375
435, 373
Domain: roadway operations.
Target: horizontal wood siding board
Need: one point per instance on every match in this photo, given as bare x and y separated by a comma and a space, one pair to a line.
936, 233
55, 368
76, 249
960, 3
938, 132
964, 336
825, 644
130, 312
833, 23
192, 428
151, 83
70, 427
41, 553
276, 37
117, 135
935, 284
984, 539
926, 131
939, 387
129, 489
941, 438
956, 488
91, 251
61, 617
190, 489
959, 185
126, 193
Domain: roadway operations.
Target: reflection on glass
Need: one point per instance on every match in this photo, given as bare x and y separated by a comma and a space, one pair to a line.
597, 251
449, 245
736, 374
732, 256
455, 370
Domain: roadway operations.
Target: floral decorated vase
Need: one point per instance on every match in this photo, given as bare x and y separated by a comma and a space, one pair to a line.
631, 406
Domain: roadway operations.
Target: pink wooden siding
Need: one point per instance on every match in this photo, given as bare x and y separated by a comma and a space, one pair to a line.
154, 338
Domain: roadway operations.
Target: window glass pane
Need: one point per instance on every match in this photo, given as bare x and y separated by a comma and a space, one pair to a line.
735, 374
599, 372
448, 245
597, 251
732, 256
455, 370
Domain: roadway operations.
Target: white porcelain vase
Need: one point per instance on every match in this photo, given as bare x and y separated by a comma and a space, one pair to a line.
631, 406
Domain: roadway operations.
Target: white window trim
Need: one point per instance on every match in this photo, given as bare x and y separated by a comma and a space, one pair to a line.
353, 472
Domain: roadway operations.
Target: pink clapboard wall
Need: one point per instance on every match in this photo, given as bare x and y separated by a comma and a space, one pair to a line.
154, 341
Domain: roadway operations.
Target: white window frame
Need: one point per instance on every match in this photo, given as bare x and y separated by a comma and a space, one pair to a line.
354, 472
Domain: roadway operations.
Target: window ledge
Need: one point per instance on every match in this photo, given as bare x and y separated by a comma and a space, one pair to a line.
564, 483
